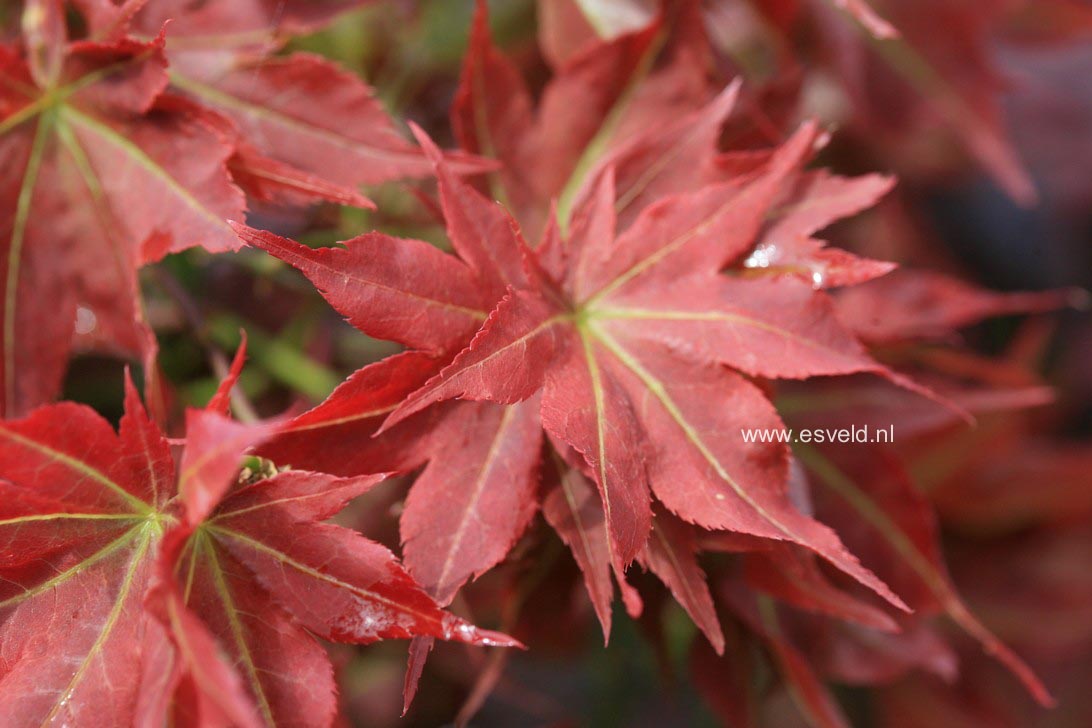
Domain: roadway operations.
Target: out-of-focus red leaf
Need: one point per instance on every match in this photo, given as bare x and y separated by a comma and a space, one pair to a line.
102, 173
793, 577
895, 531
308, 113
727, 681
811, 696
940, 68
255, 20
615, 88
918, 304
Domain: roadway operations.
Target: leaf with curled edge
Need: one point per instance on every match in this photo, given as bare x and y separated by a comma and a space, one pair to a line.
816, 200
100, 173
267, 180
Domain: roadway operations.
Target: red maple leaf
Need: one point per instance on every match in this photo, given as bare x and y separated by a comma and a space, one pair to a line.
101, 173
301, 110
105, 169
643, 103
600, 97
615, 346
124, 585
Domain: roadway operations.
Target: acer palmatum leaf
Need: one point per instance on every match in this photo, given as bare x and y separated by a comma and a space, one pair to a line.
100, 175
319, 127
597, 349
309, 113
607, 93
78, 554
85, 516
625, 339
